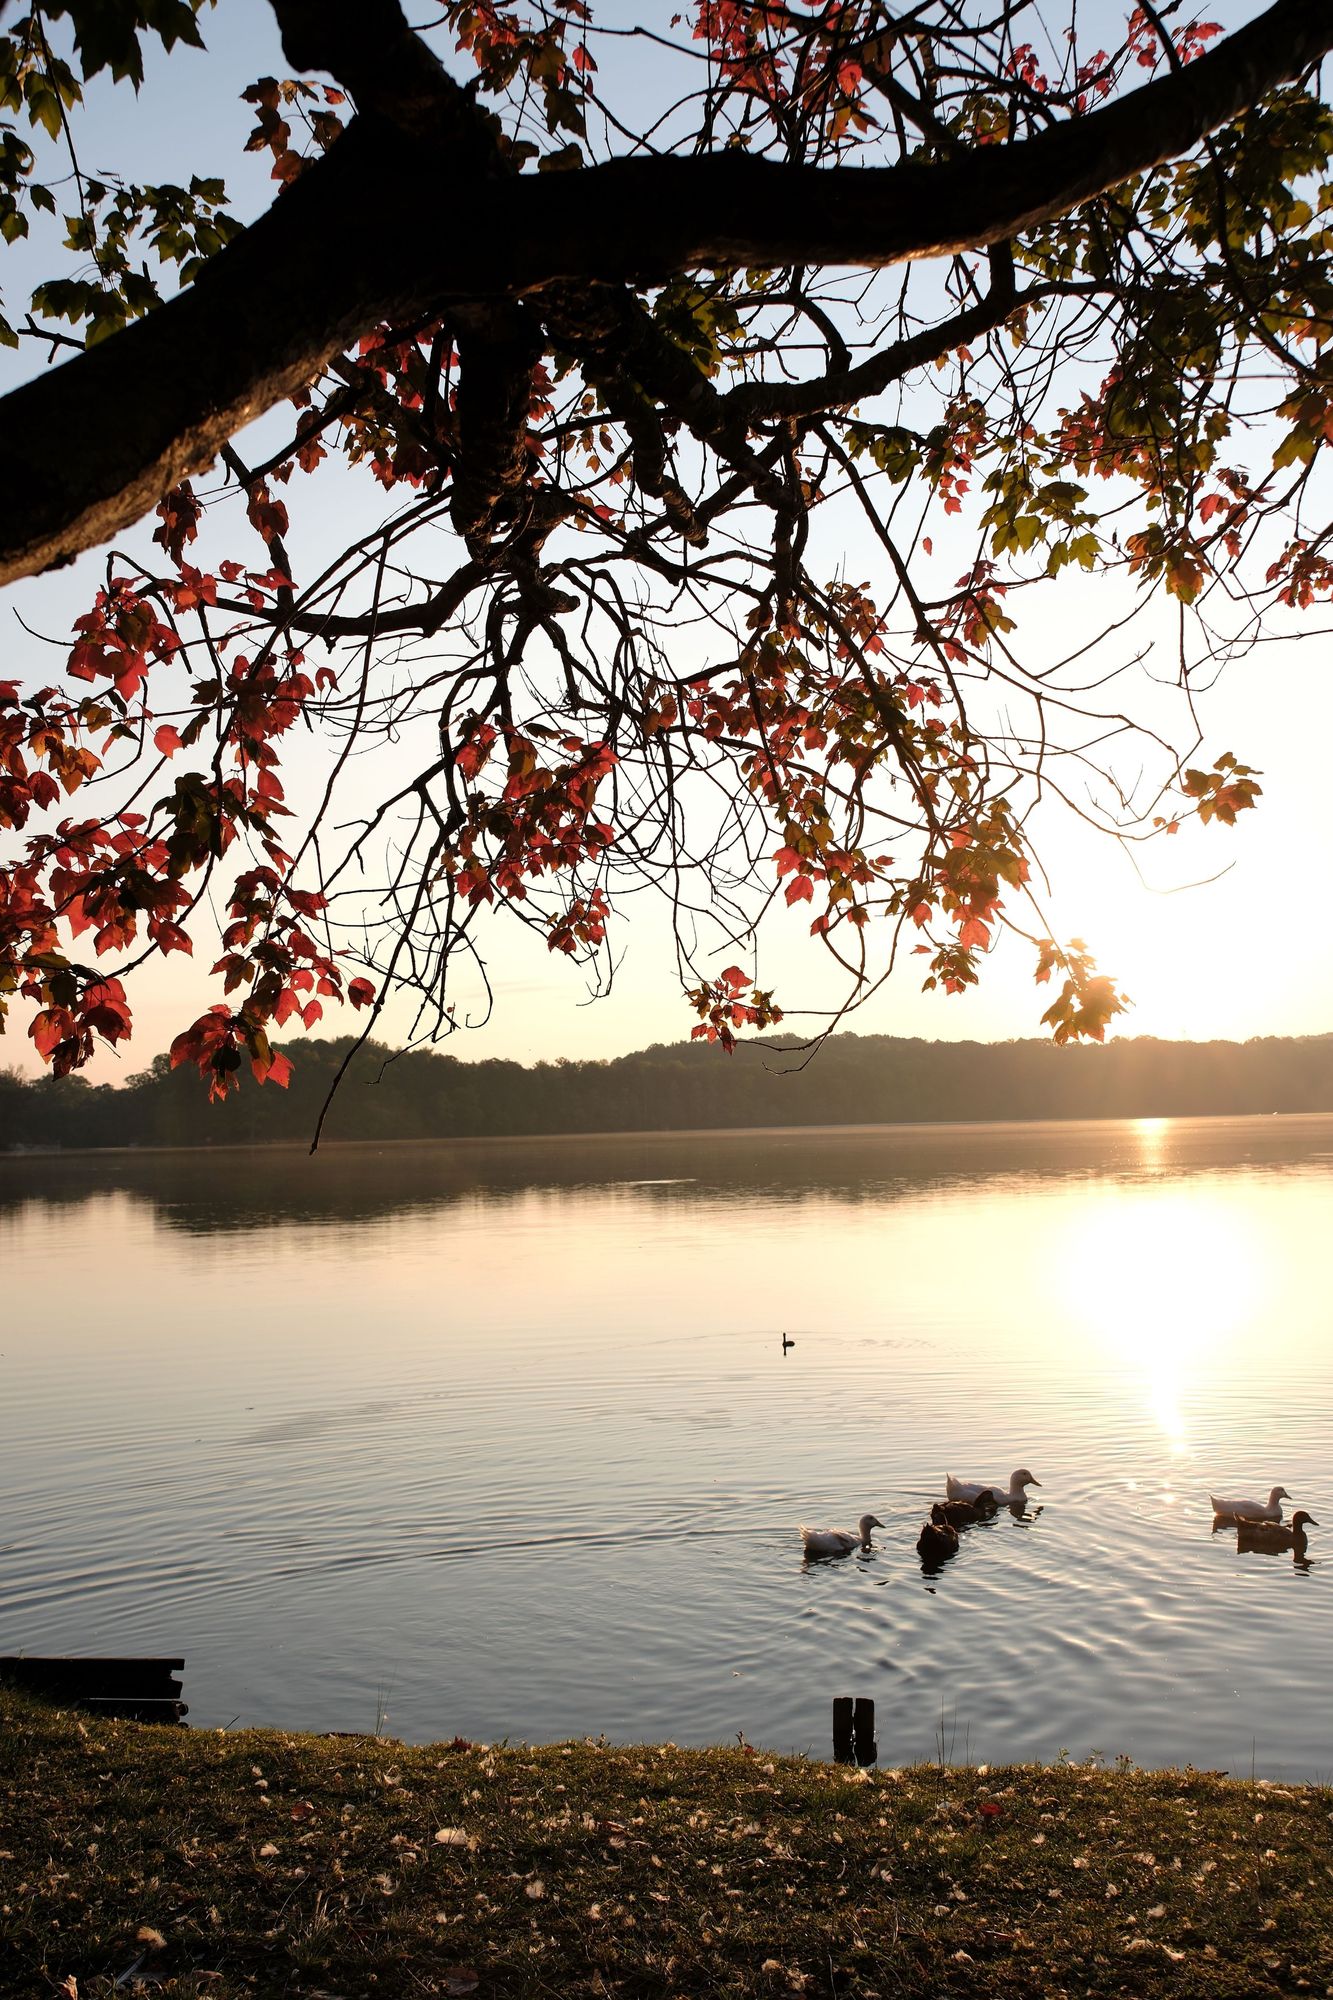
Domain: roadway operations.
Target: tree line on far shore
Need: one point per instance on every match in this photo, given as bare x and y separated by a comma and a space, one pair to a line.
853, 1080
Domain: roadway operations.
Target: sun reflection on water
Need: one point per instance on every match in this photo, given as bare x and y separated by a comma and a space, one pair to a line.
1167, 1280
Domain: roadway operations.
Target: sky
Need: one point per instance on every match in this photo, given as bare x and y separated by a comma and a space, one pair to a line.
1223, 936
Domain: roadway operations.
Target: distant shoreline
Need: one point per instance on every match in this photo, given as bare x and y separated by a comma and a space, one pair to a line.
916, 1127
862, 1082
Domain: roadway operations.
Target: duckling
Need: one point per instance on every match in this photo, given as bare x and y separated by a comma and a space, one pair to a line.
962, 1513
1252, 1535
937, 1539
839, 1541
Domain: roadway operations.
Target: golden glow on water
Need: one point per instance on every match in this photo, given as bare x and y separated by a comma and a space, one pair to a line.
1167, 1279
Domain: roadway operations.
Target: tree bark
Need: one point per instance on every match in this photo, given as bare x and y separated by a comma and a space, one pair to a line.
393, 226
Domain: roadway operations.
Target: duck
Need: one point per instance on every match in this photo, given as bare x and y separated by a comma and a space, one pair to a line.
839, 1541
962, 1513
937, 1539
1250, 1510
974, 1490
1275, 1534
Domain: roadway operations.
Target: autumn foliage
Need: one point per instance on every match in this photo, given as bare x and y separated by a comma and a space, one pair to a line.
714, 582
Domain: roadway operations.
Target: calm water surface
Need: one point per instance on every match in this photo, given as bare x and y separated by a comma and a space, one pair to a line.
502, 1441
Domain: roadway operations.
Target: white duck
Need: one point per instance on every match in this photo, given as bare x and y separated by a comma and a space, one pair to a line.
972, 1489
1251, 1510
839, 1541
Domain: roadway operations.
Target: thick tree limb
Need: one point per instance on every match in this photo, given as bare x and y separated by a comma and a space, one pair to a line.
368, 46
498, 348
362, 236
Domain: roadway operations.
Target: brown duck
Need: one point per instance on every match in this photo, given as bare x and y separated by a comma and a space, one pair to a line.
936, 1540
962, 1513
1276, 1534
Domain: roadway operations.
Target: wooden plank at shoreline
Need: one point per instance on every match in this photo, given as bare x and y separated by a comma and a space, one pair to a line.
148, 1676
135, 1690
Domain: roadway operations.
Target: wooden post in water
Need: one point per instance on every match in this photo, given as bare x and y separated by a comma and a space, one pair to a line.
854, 1730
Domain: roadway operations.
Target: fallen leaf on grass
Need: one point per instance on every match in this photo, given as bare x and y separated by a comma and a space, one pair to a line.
461, 1980
153, 1939
451, 1836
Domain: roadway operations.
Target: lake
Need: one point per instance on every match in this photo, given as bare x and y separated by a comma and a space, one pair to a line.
501, 1440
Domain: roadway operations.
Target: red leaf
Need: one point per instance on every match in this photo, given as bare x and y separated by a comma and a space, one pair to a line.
167, 739
170, 937
48, 1029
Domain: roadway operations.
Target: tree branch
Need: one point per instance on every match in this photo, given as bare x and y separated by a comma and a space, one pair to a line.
92, 445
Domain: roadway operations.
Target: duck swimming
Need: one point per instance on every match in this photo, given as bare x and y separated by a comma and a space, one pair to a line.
1251, 1510
962, 1513
839, 1541
937, 1539
974, 1490
1257, 1535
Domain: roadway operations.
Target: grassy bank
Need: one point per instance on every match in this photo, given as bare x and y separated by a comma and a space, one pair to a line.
263, 1863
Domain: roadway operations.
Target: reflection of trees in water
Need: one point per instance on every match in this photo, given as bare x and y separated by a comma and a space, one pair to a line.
205, 1192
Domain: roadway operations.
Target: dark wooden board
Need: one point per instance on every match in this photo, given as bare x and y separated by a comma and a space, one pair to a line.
137, 1690
91, 1675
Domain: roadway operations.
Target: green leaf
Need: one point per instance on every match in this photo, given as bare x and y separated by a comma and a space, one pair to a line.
43, 105
107, 32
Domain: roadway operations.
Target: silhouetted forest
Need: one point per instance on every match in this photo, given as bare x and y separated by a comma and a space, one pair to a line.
854, 1080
